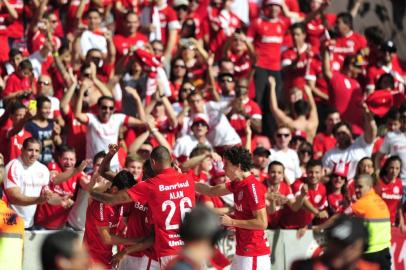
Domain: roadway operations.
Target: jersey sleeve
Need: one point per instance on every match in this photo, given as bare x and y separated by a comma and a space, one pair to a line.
139, 192
173, 22
12, 179
100, 211
256, 196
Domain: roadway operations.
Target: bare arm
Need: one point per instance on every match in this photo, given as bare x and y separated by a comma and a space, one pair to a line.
138, 142
104, 90
170, 45
120, 197
326, 64
370, 128
111, 49
192, 162
279, 115
313, 115
211, 77
21, 123
15, 196
11, 10
212, 191
104, 169
79, 115
259, 222
157, 134
67, 97
64, 176
138, 102
316, 91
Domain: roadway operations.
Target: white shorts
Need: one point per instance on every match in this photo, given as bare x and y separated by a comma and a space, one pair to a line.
163, 261
251, 263
139, 263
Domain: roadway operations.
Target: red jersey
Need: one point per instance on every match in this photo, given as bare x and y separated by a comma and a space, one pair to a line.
392, 194
296, 76
274, 218
100, 215
336, 203
346, 96
249, 196
316, 31
12, 145
375, 72
216, 201
38, 40
16, 28
239, 121
268, 38
303, 217
124, 43
242, 64
350, 44
76, 135
55, 216
15, 84
323, 142
169, 21
140, 225
202, 177
351, 190
71, 14
169, 196
314, 72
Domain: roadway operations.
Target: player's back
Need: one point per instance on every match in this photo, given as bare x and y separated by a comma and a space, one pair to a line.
172, 194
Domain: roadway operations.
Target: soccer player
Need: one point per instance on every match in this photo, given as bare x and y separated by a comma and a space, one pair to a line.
169, 195
250, 218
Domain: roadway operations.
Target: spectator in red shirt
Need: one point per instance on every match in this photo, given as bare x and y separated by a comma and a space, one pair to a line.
20, 82
15, 56
348, 102
54, 217
13, 136
338, 197
279, 194
296, 59
348, 42
390, 188
260, 159
325, 140
267, 35
177, 77
129, 38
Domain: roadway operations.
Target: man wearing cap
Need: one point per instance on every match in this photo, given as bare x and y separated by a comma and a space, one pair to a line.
200, 230
345, 242
373, 209
185, 144
221, 134
260, 161
384, 65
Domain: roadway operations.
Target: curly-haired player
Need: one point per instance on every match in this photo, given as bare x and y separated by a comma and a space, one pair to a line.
249, 219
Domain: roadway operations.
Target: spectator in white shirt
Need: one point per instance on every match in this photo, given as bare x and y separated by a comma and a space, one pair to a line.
221, 133
26, 182
103, 127
288, 157
185, 144
94, 37
349, 150
394, 143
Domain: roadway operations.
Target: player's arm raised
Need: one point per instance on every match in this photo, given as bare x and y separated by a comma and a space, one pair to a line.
212, 191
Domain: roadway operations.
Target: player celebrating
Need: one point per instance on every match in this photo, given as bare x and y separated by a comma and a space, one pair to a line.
169, 195
250, 218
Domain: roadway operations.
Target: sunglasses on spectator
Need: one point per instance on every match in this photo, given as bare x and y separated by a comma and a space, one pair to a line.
226, 80
309, 152
43, 83
105, 108
285, 135
179, 66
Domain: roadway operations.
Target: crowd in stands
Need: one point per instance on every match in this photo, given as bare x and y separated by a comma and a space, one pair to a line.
90, 88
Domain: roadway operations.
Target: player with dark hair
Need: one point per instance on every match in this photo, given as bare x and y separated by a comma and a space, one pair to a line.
169, 195
250, 218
